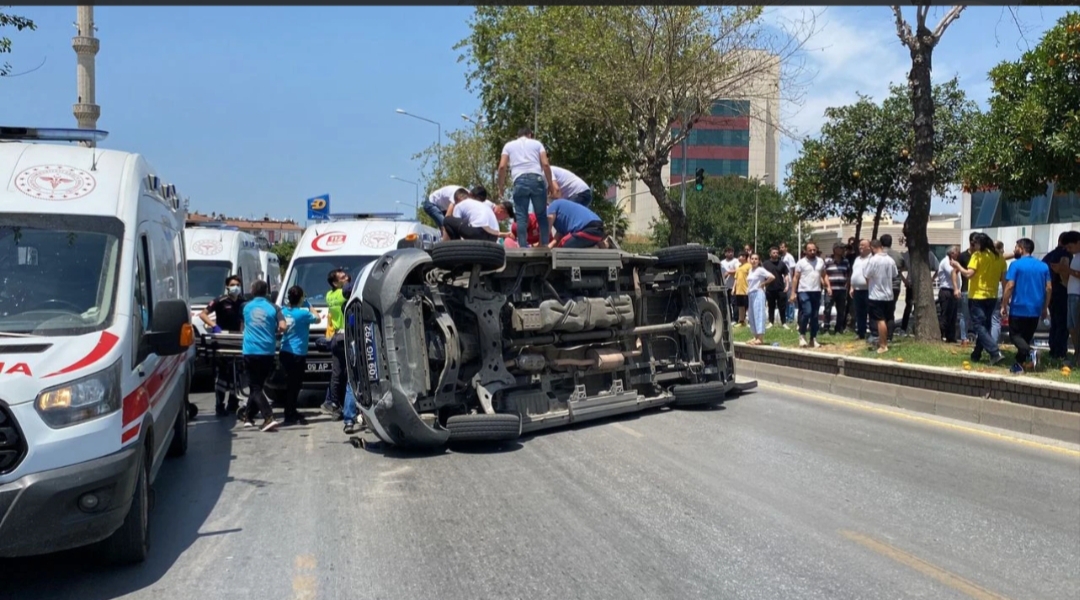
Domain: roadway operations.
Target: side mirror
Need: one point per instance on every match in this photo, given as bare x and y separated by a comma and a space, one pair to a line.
171, 332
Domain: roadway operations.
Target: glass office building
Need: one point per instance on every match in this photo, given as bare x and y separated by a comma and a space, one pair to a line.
1041, 218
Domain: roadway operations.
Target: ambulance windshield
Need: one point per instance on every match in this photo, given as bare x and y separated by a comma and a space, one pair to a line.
310, 273
58, 274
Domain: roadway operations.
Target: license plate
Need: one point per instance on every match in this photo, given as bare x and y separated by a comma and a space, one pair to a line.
318, 367
371, 352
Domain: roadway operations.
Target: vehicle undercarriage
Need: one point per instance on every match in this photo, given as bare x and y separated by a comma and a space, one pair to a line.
471, 342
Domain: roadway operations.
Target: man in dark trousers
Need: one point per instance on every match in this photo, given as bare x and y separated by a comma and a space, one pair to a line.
1026, 300
775, 298
1058, 262
838, 270
228, 311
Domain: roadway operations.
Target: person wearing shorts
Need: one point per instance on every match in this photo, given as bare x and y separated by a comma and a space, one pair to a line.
880, 272
576, 226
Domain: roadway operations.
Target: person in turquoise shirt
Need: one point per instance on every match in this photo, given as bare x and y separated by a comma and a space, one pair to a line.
299, 317
262, 322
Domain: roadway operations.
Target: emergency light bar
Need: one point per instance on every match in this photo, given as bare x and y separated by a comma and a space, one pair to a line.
363, 216
52, 135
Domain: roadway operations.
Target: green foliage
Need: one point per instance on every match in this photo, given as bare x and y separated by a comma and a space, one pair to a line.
862, 160
19, 23
605, 83
284, 251
467, 161
1031, 134
723, 215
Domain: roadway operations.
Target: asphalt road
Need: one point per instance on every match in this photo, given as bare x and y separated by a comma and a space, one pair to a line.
778, 495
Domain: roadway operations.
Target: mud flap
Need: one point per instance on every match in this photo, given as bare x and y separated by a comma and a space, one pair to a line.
741, 387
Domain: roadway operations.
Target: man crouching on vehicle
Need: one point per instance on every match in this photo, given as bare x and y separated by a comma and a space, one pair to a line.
470, 219
576, 226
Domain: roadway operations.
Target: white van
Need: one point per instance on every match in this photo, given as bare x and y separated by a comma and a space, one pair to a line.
216, 251
349, 242
95, 343
270, 266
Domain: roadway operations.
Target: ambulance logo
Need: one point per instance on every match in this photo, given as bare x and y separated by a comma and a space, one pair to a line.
55, 182
328, 242
207, 247
378, 239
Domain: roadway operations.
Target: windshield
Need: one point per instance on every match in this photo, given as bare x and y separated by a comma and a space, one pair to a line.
310, 274
206, 279
57, 273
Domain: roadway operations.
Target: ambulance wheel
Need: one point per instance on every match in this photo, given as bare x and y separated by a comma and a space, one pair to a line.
131, 543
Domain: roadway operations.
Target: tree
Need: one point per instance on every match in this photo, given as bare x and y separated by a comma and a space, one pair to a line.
19, 23
1031, 134
618, 78
467, 160
284, 251
920, 43
723, 215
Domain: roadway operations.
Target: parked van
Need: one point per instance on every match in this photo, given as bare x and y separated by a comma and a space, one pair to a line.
346, 241
270, 266
214, 252
95, 343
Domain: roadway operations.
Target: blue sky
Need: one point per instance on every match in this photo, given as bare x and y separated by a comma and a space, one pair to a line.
251, 110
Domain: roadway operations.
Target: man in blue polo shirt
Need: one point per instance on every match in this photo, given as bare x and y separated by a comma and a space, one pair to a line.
1026, 300
575, 225
262, 322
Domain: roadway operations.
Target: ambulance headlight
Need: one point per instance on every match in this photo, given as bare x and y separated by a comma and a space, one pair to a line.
81, 400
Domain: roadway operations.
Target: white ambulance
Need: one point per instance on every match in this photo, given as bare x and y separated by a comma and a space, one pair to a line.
215, 251
95, 343
346, 241
270, 266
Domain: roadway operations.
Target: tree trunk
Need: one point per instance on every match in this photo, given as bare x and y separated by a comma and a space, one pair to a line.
858, 231
877, 218
927, 327
679, 226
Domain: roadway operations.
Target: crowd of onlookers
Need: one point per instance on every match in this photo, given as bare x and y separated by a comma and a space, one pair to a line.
979, 291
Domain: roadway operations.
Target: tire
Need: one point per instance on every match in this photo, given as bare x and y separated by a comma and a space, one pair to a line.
458, 253
681, 255
484, 428
131, 543
700, 394
179, 444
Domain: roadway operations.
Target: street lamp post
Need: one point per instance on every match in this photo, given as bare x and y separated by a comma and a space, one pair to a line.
757, 189
417, 185
438, 142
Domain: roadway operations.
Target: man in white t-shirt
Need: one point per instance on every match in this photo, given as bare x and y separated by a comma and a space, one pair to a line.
858, 288
807, 286
530, 173
571, 187
790, 261
439, 201
727, 269
880, 273
470, 219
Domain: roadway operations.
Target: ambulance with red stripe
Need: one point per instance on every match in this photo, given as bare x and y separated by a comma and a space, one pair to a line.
96, 343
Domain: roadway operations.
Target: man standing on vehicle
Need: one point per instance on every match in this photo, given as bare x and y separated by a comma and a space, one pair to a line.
575, 226
262, 322
475, 220
571, 187
335, 331
228, 313
530, 173
1025, 301
440, 201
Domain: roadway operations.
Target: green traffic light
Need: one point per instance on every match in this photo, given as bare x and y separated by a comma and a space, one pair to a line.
699, 187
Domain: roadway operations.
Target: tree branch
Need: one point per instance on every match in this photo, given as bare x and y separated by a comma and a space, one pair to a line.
952, 15
903, 30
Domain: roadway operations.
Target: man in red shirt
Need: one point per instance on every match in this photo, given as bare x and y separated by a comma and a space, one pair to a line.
532, 233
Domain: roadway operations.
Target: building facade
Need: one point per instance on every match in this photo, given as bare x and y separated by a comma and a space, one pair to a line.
1042, 218
273, 230
738, 137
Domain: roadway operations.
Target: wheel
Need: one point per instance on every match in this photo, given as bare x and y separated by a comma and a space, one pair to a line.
681, 255
458, 253
712, 323
131, 543
179, 444
699, 394
484, 428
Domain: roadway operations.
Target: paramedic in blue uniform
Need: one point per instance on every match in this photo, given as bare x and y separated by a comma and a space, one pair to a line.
262, 322
575, 225
299, 317
228, 311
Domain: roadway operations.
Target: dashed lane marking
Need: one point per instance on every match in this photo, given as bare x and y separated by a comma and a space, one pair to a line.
627, 430
304, 584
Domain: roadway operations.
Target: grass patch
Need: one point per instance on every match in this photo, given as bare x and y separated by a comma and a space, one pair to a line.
908, 350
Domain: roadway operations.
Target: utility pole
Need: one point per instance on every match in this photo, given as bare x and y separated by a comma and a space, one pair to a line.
86, 46
536, 101
683, 180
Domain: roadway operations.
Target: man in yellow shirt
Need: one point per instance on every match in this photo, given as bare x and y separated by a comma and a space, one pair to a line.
741, 291
985, 272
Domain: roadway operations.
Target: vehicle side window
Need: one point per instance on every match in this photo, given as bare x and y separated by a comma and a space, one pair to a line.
144, 302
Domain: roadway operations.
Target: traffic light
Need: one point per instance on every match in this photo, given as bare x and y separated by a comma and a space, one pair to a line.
699, 179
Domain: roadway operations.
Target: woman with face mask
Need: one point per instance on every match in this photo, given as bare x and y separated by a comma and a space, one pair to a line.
228, 311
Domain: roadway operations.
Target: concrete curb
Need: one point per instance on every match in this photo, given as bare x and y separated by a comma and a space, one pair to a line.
1055, 424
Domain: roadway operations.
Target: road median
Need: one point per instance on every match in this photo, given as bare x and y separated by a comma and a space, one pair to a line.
1043, 408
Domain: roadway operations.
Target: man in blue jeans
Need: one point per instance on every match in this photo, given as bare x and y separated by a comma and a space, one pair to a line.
807, 285
530, 172
440, 201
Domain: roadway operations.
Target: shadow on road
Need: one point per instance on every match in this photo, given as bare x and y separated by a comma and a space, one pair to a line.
185, 493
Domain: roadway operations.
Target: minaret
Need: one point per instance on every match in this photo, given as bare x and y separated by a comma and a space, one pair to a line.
86, 47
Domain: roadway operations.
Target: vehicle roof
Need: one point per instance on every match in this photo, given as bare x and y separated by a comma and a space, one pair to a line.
52, 178
358, 237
